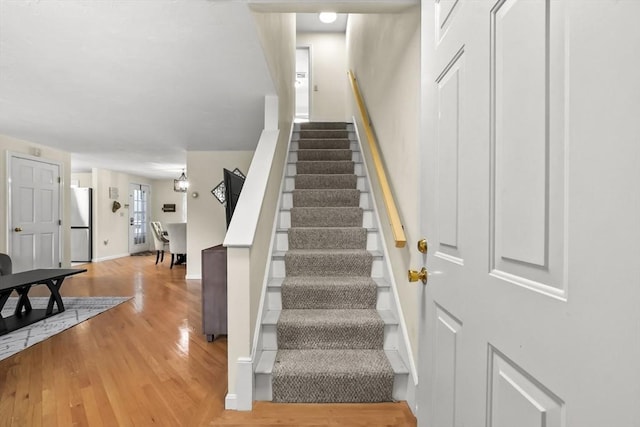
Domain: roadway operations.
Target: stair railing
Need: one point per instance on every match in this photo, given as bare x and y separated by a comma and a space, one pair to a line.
387, 195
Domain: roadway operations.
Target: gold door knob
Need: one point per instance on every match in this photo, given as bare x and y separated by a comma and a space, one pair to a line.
17, 229
423, 246
421, 275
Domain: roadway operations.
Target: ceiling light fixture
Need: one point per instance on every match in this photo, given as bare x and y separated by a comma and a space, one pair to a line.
327, 17
181, 184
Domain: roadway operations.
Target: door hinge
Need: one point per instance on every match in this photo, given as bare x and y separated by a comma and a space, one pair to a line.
59, 264
59, 180
59, 222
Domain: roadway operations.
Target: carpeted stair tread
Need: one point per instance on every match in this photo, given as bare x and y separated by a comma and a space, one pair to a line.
337, 376
327, 238
330, 329
325, 167
326, 197
323, 125
318, 181
324, 143
325, 154
326, 217
328, 262
328, 292
329, 334
324, 133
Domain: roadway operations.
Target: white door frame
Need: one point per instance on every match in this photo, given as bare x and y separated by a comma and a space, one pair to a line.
9, 198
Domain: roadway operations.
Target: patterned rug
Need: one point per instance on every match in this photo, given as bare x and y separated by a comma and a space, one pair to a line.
77, 310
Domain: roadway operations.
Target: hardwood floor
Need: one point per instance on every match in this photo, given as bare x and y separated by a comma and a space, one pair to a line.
146, 362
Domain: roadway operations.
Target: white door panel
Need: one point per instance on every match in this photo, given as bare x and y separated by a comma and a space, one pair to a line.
531, 205
34, 223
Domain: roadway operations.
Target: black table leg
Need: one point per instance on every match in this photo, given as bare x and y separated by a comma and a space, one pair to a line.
54, 286
23, 305
4, 296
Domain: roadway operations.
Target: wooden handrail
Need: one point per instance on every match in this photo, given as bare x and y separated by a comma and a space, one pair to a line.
389, 203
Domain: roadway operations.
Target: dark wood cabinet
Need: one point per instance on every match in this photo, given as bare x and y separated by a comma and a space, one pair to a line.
214, 291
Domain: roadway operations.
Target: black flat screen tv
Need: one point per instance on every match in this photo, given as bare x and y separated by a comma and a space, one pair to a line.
232, 187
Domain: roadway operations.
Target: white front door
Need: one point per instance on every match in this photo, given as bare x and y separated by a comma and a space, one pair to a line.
138, 218
34, 223
530, 202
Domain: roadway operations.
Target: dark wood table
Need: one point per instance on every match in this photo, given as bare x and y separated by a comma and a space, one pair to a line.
22, 282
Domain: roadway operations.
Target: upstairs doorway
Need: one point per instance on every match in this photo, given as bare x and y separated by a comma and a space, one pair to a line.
303, 83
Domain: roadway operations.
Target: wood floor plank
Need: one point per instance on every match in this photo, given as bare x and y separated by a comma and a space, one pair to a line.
145, 363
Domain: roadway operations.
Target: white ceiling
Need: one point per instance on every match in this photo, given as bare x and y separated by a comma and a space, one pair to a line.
132, 85
310, 23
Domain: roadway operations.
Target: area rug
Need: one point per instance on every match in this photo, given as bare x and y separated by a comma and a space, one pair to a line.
77, 310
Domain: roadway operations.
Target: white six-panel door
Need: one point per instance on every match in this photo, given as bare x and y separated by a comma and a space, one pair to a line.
531, 205
34, 223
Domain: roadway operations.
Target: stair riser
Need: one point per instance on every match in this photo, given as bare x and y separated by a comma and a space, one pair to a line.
282, 242
337, 390
324, 156
292, 170
322, 182
328, 265
265, 392
311, 144
322, 125
305, 217
284, 221
377, 269
324, 133
300, 135
270, 337
332, 297
274, 299
364, 201
330, 337
326, 198
317, 238
325, 167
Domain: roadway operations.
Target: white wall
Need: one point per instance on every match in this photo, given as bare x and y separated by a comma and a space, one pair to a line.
206, 217
84, 179
329, 82
162, 193
111, 230
383, 50
9, 144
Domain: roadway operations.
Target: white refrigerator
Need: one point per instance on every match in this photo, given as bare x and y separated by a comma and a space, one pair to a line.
81, 224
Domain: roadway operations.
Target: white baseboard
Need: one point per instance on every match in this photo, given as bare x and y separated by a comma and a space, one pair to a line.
244, 384
412, 392
231, 402
193, 277
110, 257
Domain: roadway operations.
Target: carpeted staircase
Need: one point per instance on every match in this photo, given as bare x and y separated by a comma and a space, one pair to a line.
333, 341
